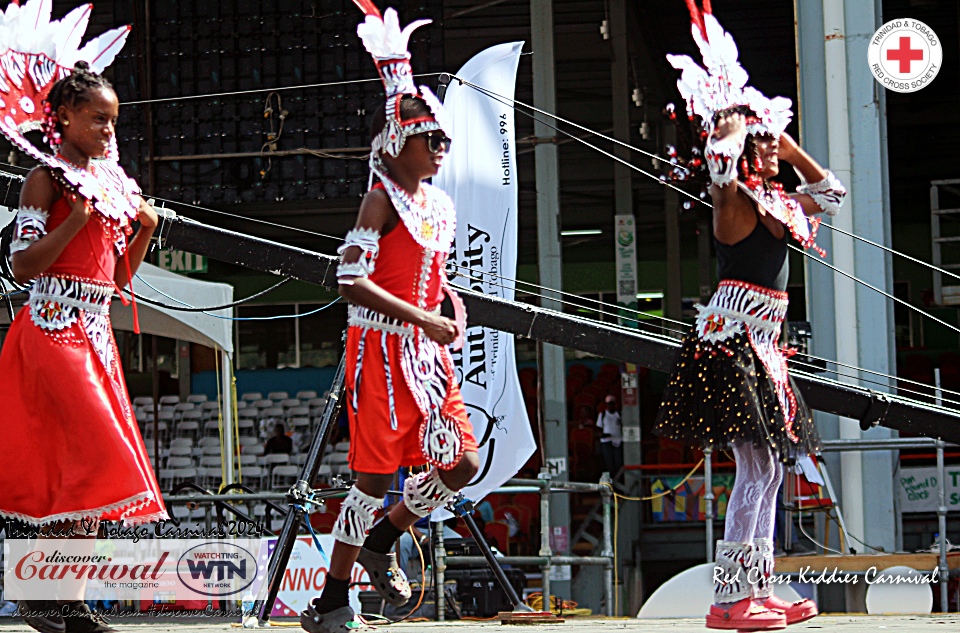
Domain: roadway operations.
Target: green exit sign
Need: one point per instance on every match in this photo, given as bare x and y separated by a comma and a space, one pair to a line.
182, 262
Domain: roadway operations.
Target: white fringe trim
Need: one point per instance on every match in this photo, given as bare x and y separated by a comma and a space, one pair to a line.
127, 507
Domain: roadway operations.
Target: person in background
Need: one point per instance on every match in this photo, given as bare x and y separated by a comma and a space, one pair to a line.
279, 442
611, 437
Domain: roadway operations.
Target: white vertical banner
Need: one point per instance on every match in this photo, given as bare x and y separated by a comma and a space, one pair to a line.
480, 175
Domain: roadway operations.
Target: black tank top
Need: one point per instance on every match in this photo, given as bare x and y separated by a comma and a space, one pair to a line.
759, 259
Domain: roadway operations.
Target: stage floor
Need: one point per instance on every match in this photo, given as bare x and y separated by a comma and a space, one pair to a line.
845, 623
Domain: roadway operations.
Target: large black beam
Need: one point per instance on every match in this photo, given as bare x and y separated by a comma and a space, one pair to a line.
647, 350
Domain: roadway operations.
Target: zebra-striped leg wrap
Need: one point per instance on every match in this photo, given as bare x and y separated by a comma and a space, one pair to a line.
425, 492
356, 517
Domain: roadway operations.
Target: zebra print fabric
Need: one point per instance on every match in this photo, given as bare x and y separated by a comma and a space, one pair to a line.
356, 517
429, 374
741, 308
732, 572
828, 193
424, 493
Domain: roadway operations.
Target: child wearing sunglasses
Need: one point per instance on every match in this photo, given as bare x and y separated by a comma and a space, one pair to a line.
403, 401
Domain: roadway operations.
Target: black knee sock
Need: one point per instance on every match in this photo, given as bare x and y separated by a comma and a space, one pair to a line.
334, 595
382, 537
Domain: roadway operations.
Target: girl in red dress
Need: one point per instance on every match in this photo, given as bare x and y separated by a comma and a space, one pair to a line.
403, 401
72, 454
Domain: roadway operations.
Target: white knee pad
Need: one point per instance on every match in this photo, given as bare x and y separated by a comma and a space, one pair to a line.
425, 492
356, 517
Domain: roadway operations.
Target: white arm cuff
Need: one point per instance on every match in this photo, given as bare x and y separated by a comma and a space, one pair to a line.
722, 156
368, 241
29, 226
828, 193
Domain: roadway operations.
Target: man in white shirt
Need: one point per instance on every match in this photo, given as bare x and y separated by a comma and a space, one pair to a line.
611, 437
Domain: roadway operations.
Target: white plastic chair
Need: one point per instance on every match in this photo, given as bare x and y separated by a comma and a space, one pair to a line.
306, 395
143, 401
289, 403
179, 461
197, 398
283, 477
188, 428
278, 395
251, 396
211, 449
210, 461
254, 449
180, 451
274, 459
169, 400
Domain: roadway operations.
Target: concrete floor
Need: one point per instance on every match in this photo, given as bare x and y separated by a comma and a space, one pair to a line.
845, 623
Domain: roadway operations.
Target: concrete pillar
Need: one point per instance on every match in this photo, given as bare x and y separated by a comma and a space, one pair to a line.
842, 126
553, 405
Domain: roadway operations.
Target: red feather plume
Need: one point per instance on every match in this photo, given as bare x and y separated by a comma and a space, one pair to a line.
368, 7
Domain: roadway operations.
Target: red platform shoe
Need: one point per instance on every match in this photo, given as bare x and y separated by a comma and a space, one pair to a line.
745, 616
799, 611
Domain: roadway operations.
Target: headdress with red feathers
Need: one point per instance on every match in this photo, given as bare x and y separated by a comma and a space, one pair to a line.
35, 53
722, 84
387, 43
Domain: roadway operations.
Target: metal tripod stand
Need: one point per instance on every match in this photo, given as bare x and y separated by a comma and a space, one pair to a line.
301, 493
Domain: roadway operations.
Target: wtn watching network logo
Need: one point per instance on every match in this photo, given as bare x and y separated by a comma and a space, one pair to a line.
217, 569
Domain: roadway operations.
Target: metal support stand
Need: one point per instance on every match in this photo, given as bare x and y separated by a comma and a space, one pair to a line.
708, 498
463, 508
288, 535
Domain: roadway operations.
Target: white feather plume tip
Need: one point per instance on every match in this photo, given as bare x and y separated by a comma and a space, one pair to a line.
383, 38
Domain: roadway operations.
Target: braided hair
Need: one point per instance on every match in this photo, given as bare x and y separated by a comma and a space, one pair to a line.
686, 162
73, 90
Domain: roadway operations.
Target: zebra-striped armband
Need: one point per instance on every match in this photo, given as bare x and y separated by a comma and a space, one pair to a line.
828, 193
29, 226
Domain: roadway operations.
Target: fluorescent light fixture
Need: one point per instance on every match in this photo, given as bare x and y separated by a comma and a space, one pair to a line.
577, 232
649, 295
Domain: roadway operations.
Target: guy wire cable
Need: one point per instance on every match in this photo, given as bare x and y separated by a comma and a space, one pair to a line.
513, 103
900, 390
896, 379
215, 95
891, 251
225, 306
874, 288
506, 102
269, 318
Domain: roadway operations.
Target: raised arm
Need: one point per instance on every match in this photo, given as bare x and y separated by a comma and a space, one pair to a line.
733, 212
34, 249
821, 191
358, 258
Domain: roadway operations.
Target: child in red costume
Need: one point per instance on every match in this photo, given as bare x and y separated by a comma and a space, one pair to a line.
72, 454
403, 401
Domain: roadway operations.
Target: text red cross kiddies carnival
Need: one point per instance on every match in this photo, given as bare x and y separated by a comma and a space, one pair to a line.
905, 54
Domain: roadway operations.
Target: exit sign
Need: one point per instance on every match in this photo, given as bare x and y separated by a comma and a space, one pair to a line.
182, 262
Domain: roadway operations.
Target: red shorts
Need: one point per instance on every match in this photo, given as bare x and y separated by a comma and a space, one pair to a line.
376, 447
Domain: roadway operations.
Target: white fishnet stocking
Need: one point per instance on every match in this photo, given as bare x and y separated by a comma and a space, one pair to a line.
753, 502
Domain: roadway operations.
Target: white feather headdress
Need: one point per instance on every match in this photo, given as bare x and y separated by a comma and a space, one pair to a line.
721, 82
387, 44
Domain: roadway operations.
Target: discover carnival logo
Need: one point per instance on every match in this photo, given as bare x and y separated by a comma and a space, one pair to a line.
905, 55
122, 569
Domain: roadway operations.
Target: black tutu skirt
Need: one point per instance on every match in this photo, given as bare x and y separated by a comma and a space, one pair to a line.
721, 391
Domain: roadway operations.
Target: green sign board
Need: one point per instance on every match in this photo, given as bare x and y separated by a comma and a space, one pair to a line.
182, 262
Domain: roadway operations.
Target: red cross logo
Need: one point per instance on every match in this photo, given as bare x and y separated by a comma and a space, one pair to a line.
905, 54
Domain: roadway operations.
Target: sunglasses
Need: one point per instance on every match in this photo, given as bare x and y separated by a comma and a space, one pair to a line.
437, 142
